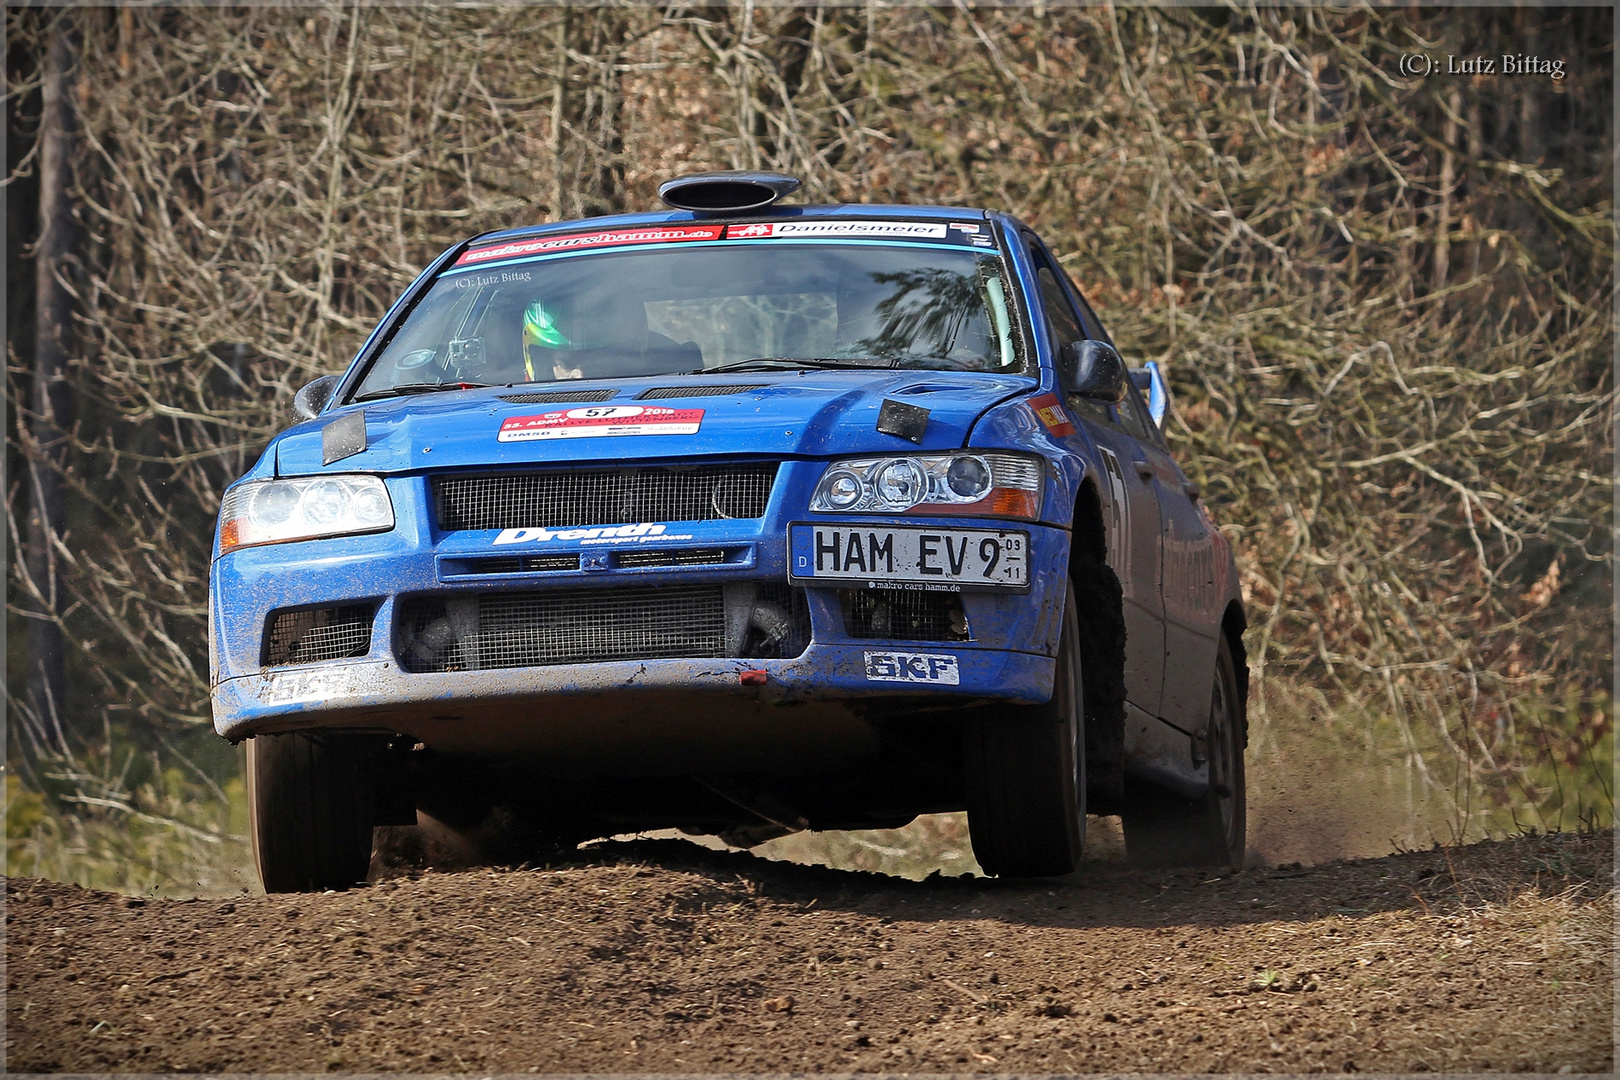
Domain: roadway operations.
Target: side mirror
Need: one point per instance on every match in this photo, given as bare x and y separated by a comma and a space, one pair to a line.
1092, 369
308, 402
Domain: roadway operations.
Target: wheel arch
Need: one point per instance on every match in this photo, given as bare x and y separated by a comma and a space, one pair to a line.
1102, 645
1088, 539
1233, 623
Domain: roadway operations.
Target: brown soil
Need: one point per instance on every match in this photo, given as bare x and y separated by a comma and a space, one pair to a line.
660, 956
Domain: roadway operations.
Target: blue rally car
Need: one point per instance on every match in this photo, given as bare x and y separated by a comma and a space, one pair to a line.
739, 518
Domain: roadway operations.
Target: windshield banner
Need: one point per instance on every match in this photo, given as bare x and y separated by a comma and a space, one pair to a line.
894, 230
956, 231
658, 234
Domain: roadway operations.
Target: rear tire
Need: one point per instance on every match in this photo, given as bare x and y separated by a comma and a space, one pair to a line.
312, 803
1162, 829
1025, 767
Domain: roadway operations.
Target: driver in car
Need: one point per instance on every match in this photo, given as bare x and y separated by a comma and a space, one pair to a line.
540, 330
607, 337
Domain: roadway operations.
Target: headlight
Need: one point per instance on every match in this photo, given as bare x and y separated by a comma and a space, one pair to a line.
276, 511
986, 485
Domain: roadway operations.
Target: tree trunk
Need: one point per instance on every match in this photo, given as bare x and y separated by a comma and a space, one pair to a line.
49, 417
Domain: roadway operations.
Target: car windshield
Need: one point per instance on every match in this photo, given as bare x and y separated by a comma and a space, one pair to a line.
689, 308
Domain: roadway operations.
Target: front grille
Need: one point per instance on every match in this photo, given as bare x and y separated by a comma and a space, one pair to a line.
904, 615
580, 626
685, 557
662, 392
521, 564
552, 397
310, 635
602, 497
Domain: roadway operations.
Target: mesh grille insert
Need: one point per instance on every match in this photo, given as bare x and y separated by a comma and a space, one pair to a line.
580, 626
562, 626
602, 497
903, 615
547, 397
687, 557
659, 392
310, 635
519, 564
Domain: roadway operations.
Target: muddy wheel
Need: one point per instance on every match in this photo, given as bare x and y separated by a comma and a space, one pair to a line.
1162, 829
1025, 768
311, 799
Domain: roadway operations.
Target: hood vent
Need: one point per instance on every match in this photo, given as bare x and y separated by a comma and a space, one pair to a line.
935, 388
552, 397
661, 392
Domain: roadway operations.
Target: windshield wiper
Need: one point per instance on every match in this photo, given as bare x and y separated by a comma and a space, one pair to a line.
790, 362
419, 388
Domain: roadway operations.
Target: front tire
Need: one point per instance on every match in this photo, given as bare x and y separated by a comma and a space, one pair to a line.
312, 804
1025, 768
1162, 829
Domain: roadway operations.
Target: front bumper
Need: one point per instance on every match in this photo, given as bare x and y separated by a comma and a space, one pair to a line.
1008, 658
378, 695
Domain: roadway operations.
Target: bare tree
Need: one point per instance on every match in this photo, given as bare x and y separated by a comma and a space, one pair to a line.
1386, 312
49, 418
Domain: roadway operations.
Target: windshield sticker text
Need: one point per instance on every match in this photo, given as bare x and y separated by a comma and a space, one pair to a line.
505, 277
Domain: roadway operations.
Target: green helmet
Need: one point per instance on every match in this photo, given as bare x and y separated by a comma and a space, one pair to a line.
539, 328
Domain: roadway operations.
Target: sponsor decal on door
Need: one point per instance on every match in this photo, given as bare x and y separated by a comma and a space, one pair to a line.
1119, 518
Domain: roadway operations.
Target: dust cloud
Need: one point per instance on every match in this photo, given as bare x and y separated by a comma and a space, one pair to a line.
1319, 790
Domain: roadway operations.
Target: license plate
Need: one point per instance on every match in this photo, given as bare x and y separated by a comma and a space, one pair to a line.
945, 559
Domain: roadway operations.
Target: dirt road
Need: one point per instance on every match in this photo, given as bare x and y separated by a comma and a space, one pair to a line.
660, 956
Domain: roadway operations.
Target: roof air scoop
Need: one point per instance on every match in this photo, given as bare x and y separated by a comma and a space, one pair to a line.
726, 192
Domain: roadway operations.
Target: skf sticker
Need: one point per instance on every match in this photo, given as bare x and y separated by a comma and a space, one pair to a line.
599, 421
901, 230
282, 687
938, 668
540, 245
1051, 415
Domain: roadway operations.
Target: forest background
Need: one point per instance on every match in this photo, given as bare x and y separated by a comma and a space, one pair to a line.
1385, 305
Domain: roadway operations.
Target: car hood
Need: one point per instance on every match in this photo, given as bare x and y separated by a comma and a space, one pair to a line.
797, 414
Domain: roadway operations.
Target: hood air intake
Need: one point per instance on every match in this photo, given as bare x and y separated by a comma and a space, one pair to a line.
726, 192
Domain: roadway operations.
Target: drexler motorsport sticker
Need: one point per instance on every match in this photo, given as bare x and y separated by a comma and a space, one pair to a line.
601, 420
